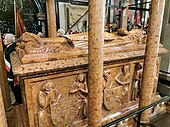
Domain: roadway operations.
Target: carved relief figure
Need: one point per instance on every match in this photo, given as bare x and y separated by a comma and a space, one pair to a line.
123, 77
137, 81
111, 95
47, 97
79, 88
106, 75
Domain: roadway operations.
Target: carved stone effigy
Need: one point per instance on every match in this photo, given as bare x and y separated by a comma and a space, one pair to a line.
32, 48
53, 73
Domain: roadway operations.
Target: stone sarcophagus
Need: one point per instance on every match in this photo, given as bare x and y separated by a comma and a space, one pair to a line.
53, 76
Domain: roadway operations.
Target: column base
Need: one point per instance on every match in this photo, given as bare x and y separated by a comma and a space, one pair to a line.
144, 121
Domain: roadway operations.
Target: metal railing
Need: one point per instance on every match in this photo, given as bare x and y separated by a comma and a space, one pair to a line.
138, 112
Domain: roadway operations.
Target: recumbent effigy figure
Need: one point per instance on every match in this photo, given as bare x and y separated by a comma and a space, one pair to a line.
33, 48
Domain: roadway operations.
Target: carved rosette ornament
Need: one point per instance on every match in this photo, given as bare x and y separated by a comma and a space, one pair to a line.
48, 97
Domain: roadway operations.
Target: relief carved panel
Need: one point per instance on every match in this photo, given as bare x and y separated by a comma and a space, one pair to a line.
80, 90
48, 97
60, 101
115, 87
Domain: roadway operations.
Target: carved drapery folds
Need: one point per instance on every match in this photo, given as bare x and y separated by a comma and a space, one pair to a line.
33, 44
32, 48
110, 99
79, 88
48, 97
115, 88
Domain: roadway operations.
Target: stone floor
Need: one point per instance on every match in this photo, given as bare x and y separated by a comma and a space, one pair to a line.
162, 121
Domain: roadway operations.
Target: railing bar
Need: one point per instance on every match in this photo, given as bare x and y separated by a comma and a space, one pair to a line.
137, 112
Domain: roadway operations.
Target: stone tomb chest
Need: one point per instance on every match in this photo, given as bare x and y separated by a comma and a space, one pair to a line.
53, 76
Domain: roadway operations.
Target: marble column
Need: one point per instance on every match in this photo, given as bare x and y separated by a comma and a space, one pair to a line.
151, 54
95, 58
3, 122
124, 18
51, 18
